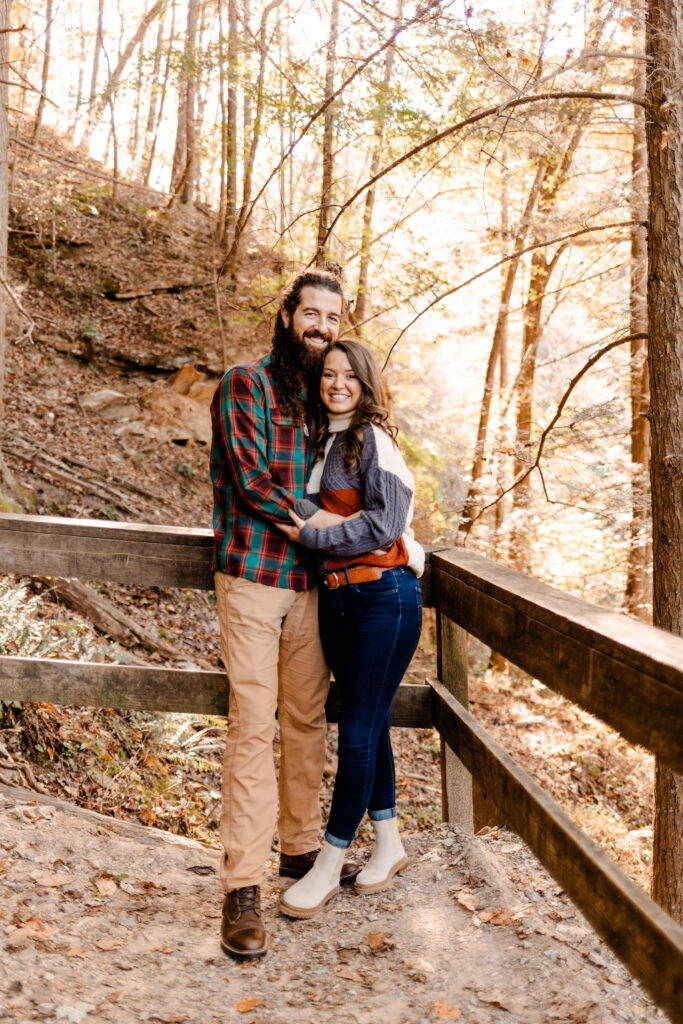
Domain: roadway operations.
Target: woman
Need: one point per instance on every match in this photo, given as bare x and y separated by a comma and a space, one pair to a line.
370, 611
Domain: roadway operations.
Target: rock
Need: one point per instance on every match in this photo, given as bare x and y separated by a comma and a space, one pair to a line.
111, 405
184, 379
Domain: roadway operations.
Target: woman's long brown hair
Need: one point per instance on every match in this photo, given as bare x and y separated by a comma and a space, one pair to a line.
372, 408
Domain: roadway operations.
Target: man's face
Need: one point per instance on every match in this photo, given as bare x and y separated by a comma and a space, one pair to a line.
314, 324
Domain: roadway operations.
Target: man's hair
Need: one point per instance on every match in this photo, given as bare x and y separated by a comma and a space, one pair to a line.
373, 406
284, 361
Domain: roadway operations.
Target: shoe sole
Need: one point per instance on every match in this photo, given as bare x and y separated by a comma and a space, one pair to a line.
302, 913
386, 882
241, 955
348, 880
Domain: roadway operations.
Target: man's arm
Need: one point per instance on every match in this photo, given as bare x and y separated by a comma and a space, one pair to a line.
239, 433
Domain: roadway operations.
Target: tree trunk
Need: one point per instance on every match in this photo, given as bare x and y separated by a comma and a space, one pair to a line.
5, 476
638, 593
252, 127
231, 130
100, 102
73, 126
328, 140
150, 123
134, 131
46, 69
664, 47
541, 272
182, 172
473, 499
361, 304
99, 40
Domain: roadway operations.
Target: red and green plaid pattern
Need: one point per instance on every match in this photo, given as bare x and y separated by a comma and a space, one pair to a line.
260, 461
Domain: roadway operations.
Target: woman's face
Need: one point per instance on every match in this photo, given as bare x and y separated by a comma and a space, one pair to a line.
340, 389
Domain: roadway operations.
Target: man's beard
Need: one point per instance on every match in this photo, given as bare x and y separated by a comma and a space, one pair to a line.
307, 360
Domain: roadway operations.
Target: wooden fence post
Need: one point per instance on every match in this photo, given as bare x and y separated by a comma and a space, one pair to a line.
456, 781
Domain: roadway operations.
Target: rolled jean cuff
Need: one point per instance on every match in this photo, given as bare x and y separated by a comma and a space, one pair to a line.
390, 812
341, 844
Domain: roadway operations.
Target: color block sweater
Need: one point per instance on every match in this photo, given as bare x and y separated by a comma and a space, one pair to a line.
382, 492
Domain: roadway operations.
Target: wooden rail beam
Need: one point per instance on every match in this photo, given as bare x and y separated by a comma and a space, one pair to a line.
160, 689
627, 673
135, 553
646, 939
90, 549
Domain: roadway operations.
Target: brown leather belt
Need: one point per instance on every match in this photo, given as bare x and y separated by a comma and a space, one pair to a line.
357, 574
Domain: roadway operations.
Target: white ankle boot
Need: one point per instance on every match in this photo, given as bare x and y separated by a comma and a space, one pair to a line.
318, 886
388, 857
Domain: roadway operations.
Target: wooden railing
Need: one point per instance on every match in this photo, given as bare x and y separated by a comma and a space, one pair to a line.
628, 674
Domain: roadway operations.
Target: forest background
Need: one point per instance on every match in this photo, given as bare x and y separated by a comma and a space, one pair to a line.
478, 173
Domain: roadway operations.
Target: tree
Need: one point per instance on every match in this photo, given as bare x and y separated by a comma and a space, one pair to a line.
638, 573
99, 102
46, 69
361, 303
664, 49
327, 154
182, 173
5, 477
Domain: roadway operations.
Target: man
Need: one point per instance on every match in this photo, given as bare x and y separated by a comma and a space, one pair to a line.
261, 455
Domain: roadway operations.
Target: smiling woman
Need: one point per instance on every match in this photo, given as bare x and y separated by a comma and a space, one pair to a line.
340, 389
369, 612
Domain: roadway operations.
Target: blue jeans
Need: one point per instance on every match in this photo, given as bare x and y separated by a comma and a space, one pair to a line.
369, 633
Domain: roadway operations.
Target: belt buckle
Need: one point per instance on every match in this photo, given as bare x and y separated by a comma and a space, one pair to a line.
328, 583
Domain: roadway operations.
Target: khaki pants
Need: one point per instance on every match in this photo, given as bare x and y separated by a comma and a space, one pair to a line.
271, 649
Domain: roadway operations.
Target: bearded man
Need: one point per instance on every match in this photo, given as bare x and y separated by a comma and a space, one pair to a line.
261, 456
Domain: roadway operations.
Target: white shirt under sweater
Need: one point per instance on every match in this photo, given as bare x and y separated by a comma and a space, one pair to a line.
385, 492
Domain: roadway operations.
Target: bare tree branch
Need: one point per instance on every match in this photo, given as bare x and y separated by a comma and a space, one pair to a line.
422, 12
498, 263
518, 101
536, 464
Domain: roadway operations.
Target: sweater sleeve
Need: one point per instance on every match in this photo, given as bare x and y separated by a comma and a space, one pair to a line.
387, 497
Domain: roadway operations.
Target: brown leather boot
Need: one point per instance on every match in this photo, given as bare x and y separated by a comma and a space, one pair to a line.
296, 865
243, 935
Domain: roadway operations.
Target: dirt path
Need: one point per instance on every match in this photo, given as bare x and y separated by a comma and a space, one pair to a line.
107, 921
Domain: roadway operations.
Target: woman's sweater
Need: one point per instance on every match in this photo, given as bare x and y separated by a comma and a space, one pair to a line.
382, 492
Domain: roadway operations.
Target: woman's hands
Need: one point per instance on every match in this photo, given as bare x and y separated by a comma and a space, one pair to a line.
318, 521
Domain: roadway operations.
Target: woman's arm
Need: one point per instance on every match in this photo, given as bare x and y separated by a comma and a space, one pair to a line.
387, 492
319, 520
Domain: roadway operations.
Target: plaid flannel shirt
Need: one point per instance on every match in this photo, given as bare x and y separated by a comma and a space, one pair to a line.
260, 461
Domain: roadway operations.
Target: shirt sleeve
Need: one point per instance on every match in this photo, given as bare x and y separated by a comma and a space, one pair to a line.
240, 436
387, 499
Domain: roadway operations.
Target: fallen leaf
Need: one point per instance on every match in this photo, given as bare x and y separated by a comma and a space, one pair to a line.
507, 915
444, 1010
379, 943
107, 943
77, 951
348, 973
418, 964
513, 1002
53, 880
467, 899
75, 1014
482, 918
247, 1004
346, 953
105, 886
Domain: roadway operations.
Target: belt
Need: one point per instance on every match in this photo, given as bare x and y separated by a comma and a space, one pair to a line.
357, 574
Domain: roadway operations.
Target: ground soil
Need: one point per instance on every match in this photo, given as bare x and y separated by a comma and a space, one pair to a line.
106, 921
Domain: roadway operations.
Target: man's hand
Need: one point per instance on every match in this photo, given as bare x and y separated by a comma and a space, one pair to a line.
293, 529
